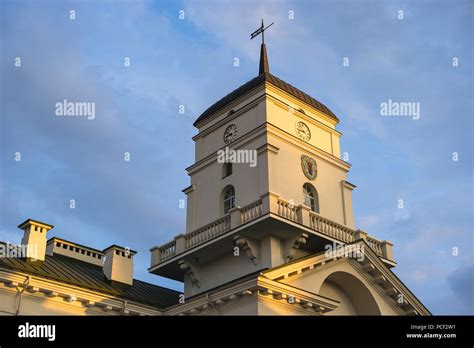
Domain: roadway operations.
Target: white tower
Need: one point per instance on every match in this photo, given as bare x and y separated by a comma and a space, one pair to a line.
289, 199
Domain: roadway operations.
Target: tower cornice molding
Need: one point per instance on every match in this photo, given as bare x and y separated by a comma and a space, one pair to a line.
307, 148
281, 134
269, 87
238, 143
308, 118
253, 99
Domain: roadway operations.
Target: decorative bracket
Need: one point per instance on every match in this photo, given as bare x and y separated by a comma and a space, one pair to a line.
294, 245
190, 271
244, 244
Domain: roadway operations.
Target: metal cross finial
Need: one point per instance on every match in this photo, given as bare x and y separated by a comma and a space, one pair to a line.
260, 30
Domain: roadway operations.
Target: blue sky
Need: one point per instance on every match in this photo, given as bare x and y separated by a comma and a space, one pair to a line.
190, 62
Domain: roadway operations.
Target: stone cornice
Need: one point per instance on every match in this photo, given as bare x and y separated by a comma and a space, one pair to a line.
260, 286
56, 291
282, 135
308, 148
348, 185
394, 283
372, 266
271, 88
229, 107
238, 143
364, 271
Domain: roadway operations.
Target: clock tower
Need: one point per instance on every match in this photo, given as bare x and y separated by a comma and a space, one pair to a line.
269, 222
269, 209
293, 202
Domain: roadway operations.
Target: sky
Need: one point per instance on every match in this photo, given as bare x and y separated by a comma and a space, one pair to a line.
427, 163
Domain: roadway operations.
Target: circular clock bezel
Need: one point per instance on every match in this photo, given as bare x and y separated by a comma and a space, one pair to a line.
228, 138
298, 126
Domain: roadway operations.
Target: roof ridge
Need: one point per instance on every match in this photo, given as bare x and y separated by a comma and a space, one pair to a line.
158, 286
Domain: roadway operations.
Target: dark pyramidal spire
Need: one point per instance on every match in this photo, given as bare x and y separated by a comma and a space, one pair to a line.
264, 76
264, 67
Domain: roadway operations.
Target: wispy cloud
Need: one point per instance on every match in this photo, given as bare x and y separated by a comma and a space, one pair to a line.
190, 62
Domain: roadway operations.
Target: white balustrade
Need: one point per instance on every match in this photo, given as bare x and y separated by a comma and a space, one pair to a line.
281, 208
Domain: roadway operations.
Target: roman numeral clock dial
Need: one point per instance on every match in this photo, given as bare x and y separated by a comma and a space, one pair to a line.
230, 134
302, 130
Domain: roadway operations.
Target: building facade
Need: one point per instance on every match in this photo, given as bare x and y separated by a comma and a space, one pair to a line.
269, 229
270, 226
59, 277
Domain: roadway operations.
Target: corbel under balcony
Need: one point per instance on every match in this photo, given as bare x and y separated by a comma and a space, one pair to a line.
189, 270
270, 205
294, 245
247, 246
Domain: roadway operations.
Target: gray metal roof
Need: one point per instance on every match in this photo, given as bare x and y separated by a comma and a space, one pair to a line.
262, 78
83, 274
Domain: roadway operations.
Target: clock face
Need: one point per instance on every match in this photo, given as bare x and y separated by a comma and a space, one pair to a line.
302, 130
230, 134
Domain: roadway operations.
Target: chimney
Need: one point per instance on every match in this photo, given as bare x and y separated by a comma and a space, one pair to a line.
118, 264
34, 239
58, 246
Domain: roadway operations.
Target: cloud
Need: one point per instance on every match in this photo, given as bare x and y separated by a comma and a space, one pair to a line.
189, 62
461, 282
368, 221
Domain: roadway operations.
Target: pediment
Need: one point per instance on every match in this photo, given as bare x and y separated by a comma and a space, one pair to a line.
356, 277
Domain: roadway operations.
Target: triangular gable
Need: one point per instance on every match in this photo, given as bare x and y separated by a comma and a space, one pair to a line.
359, 261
